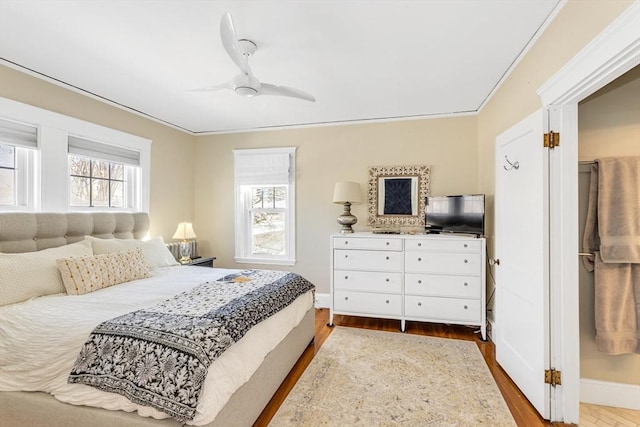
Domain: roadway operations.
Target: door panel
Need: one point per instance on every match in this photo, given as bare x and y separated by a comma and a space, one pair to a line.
522, 246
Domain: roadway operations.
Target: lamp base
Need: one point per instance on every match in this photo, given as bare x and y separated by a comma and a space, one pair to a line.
185, 252
347, 219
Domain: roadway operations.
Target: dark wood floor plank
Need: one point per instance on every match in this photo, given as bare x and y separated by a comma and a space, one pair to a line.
522, 411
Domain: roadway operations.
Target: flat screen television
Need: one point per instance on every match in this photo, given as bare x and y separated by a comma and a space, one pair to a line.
455, 214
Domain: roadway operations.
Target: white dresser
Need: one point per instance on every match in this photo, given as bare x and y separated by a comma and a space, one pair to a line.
428, 278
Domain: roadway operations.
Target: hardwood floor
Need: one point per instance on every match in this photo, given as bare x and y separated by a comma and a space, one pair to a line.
521, 409
605, 416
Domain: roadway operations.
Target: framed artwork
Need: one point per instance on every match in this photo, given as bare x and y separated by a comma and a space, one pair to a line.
397, 194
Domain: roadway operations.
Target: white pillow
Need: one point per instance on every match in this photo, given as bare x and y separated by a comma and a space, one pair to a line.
33, 274
155, 251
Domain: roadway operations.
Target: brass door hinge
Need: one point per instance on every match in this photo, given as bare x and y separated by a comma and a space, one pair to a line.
553, 377
551, 139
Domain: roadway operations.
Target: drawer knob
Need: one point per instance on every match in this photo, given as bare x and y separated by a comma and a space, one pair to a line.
466, 307
466, 261
419, 304
387, 243
419, 244
346, 256
465, 245
347, 277
419, 282
387, 257
346, 298
387, 279
419, 259
466, 284
387, 301
346, 242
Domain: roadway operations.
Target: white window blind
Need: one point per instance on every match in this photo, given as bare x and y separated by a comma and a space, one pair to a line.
18, 134
98, 150
262, 168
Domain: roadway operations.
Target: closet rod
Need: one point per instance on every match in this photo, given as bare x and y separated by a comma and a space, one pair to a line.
585, 254
586, 162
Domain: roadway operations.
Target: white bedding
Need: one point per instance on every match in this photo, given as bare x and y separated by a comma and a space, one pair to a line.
40, 339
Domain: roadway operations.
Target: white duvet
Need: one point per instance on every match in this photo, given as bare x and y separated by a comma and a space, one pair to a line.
40, 340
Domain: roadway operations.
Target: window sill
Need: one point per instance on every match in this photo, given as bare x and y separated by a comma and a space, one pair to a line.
271, 261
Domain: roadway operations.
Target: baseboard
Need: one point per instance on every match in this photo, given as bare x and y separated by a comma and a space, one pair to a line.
323, 300
610, 394
491, 330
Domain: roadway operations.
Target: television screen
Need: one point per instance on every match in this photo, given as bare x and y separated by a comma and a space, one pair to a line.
455, 214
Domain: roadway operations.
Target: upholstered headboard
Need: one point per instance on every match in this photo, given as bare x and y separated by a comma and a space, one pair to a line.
28, 232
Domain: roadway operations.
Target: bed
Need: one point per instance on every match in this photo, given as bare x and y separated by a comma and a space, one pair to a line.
239, 382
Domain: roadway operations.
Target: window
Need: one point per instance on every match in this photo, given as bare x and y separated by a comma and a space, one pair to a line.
64, 164
18, 142
8, 175
265, 197
102, 175
96, 183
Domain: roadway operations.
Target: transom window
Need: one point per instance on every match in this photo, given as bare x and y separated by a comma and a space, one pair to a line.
96, 183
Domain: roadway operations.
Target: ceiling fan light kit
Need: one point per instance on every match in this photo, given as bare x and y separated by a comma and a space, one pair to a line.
246, 84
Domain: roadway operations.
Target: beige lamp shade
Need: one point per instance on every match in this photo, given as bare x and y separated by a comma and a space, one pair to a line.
347, 192
184, 231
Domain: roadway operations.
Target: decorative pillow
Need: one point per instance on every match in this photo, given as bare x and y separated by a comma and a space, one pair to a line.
155, 251
33, 274
89, 273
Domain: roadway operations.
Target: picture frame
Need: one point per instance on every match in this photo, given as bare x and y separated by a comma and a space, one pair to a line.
396, 195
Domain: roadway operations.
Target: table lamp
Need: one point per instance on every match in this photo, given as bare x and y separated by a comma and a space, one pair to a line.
347, 193
185, 232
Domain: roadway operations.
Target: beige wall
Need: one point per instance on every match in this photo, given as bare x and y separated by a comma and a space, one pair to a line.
609, 126
324, 156
171, 198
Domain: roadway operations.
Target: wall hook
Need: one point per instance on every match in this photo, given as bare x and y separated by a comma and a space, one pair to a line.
515, 165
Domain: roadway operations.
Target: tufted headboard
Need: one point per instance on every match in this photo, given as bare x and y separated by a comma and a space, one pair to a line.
28, 232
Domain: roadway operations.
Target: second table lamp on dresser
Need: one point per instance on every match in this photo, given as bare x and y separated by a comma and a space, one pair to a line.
185, 232
347, 193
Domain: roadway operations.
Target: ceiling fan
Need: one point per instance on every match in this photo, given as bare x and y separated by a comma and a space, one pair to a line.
245, 83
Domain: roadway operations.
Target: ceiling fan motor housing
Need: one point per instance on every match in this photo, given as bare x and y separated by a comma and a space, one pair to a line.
245, 85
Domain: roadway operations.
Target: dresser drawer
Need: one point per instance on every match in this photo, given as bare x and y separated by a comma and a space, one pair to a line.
368, 281
367, 260
370, 243
367, 303
443, 263
451, 309
453, 245
443, 286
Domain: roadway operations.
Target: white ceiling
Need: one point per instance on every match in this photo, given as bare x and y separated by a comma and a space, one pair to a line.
361, 59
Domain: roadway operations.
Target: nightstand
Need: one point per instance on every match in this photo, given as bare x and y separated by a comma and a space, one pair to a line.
202, 262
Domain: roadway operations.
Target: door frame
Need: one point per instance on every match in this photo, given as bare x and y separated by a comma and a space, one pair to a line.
611, 54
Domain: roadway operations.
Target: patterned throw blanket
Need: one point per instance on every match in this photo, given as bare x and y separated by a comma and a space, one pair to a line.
159, 356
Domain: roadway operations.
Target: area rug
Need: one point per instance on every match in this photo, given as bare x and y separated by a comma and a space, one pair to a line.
371, 378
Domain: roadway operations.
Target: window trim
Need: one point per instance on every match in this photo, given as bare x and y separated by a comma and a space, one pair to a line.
242, 212
54, 129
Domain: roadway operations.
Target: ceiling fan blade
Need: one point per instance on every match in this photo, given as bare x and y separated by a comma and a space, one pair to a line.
269, 89
227, 85
230, 42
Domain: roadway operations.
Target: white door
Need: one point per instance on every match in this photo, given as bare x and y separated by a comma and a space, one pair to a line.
522, 246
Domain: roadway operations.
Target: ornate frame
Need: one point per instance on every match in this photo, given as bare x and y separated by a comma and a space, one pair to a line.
422, 173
